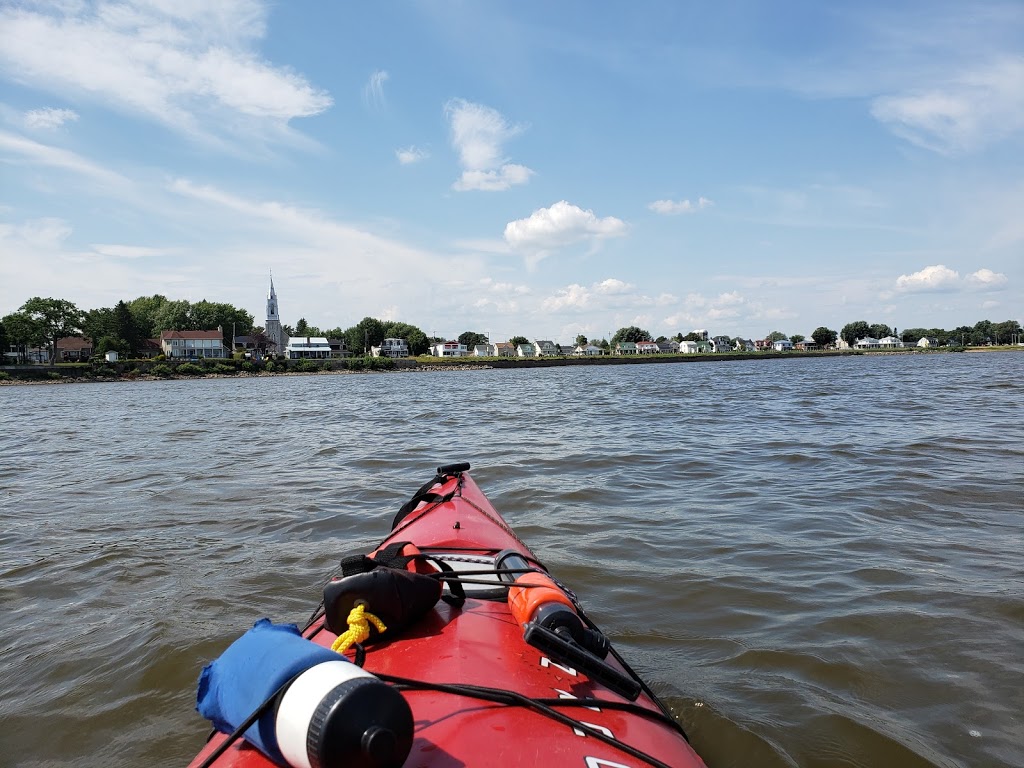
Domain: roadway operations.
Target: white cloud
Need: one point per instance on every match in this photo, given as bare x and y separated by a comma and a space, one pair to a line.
493, 180
986, 278
56, 157
191, 66
942, 278
562, 224
990, 304
373, 91
934, 278
603, 296
478, 134
49, 119
129, 251
613, 286
674, 208
966, 112
410, 155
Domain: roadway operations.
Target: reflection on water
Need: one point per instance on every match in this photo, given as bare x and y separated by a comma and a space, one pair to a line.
816, 562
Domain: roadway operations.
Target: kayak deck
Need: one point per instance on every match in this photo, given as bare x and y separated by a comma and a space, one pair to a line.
480, 695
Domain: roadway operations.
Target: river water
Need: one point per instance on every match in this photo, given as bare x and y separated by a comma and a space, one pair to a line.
815, 562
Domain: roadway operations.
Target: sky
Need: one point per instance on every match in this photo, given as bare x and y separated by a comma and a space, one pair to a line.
531, 168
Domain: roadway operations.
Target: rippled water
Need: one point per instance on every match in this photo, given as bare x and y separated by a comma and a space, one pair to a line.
816, 562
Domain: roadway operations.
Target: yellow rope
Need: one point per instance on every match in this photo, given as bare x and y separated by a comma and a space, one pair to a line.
359, 620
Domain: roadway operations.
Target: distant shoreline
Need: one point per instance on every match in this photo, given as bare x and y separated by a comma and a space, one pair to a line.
135, 370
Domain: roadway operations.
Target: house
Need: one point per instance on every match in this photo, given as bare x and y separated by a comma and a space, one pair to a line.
807, 345
587, 350
625, 348
307, 348
484, 350
504, 349
73, 349
449, 349
762, 345
744, 345
526, 350
688, 347
338, 348
647, 348
867, 343
782, 345
721, 344
545, 348
149, 348
391, 348
668, 347
841, 343
184, 345
890, 342
928, 341
702, 334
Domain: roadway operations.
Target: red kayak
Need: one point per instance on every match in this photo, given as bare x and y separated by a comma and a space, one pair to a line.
466, 653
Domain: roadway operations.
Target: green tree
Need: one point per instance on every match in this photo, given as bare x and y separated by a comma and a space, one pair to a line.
4, 343
57, 318
301, 327
516, 340
679, 337
630, 333
368, 332
23, 331
97, 323
111, 344
1007, 332
472, 338
172, 316
692, 336
776, 336
824, 337
581, 340
796, 338
126, 328
660, 339
880, 331
914, 335
144, 310
859, 329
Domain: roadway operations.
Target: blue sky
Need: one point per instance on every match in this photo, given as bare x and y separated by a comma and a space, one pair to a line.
535, 168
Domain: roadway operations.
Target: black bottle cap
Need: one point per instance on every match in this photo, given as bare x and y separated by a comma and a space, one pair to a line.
361, 723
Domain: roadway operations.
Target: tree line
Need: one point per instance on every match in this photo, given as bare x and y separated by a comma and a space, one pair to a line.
127, 325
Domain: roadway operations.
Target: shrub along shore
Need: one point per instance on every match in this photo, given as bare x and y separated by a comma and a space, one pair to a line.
156, 370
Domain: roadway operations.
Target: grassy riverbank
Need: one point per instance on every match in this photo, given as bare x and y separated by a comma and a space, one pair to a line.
151, 370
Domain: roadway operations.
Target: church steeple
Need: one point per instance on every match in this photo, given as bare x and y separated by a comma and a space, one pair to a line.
273, 327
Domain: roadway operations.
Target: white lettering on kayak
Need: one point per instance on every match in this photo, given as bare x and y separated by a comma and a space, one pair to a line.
566, 695
600, 728
597, 762
546, 662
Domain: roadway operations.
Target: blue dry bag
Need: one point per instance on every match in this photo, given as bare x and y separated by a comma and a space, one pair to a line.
248, 672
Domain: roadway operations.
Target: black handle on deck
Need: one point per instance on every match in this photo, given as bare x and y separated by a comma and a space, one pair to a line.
560, 649
453, 469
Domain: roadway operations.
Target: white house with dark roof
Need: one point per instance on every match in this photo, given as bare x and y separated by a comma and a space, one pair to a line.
587, 350
307, 348
545, 348
526, 350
